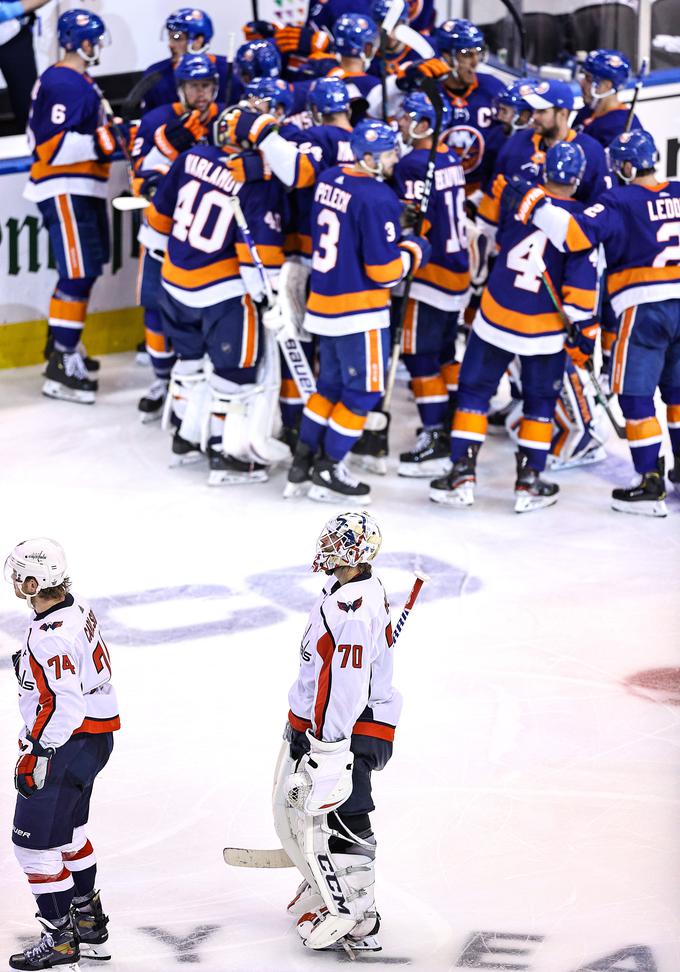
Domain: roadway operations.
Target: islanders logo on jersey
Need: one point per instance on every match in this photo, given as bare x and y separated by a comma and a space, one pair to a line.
468, 144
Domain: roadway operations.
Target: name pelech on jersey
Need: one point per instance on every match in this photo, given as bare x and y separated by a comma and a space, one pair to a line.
516, 312
320, 148
65, 113
444, 282
640, 230
64, 674
207, 260
356, 257
344, 684
473, 119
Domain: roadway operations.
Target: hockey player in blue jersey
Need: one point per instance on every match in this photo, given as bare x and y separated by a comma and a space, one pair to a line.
603, 74
358, 255
355, 39
163, 133
189, 31
72, 145
638, 224
516, 317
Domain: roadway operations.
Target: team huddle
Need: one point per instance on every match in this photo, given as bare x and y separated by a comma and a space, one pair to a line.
354, 191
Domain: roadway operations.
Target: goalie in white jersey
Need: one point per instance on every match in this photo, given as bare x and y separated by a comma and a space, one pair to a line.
70, 711
343, 713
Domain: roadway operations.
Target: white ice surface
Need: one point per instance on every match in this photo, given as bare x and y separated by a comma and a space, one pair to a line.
530, 793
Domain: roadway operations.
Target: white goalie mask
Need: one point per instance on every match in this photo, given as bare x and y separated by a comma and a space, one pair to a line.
42, 559
347, 540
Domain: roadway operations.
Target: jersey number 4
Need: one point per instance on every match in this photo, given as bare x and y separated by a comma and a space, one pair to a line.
522, 259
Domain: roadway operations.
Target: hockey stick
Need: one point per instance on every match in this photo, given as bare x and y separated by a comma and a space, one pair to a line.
231, 50
136, 94
277, 857
636, 91
289, 344
570, 328
519, 24
387, 26
375, 437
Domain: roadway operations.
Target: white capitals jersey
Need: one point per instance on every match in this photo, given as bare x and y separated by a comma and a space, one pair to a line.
345, 681
64, 675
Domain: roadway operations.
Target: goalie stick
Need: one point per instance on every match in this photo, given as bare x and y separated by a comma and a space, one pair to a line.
277, 857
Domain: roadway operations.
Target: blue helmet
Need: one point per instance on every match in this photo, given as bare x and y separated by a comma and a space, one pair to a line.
454, 36
276, 91
512, 96
550, 94
565, 164
379, 10
606, 65
372, 137
636, 147
76, 26
418, 106
352, 32
257, 59
196, 67
192, 22
328, 95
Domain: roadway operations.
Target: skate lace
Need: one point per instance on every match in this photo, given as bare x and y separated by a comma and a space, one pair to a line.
41, 949
74, 365
345, 476
424, 440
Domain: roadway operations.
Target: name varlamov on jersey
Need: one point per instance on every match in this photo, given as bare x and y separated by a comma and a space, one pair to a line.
213, 172
331, 196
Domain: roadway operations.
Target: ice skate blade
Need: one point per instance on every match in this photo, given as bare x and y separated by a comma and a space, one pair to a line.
54, 389
185, 460
321, 494
596, 455
460, 497
526, 503
429, 469
641, 508
146, 418
368, 944
373, 464
224, 477
296, 490
95, 953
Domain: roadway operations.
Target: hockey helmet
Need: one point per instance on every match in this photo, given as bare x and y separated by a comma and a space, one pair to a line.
76, 26
42, 559
372, 137
192, 22
513, 97
257, 59
458, 37
352, 32
636, 147
550, 94
327, 96
276, 91
346, 541
565, 163
606, 65
419, 107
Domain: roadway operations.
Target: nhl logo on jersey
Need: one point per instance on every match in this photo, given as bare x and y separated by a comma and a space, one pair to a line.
350, 605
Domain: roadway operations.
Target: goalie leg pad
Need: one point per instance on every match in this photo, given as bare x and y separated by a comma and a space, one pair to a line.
237, 414
187, 399
580, 424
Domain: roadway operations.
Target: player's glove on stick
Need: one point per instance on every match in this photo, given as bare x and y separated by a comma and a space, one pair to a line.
104, 143
180, 133
328, 767
413, 74
32, 766
523, 197
248, 128
418, 248
580, 343
300, 40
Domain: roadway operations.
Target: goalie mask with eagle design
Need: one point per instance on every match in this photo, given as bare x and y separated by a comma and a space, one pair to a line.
347, 540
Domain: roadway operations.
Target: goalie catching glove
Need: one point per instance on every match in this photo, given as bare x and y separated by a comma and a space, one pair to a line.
328, 769
32, 766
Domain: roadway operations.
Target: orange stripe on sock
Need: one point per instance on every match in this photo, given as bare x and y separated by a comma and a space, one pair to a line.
535, 431
155, 341
346, 419
320, 406
637, 429
470, 422
429, 387
451, 375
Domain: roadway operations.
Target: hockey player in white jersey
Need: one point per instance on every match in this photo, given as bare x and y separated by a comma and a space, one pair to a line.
70, 713
343, 713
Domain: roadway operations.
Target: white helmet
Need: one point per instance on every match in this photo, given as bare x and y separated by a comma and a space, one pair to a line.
41, 558
347, 540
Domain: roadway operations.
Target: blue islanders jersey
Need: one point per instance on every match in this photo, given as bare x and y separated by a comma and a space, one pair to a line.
473, 119
639, 228
324, 13
192, 215
444, 282
356, 257
151, 152
65, 114
164, 91
604, 128
359, 85
524, 154
516, 312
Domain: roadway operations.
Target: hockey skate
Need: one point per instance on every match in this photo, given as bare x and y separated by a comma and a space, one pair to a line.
300, 472
57, 948
674, 474
646, 496
150, 406
142, 355
226, 470
430, 457
67, 379
532, 492
89, 925
184, 452
594, 451
369, 452
91, 364
457, 487
333, 480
